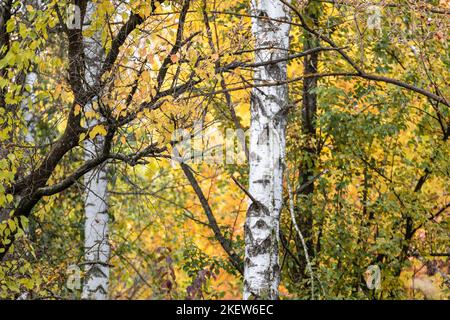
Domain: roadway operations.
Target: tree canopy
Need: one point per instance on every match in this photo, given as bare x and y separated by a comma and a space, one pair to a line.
169, 103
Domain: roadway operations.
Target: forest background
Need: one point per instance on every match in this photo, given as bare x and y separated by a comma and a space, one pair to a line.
126, 127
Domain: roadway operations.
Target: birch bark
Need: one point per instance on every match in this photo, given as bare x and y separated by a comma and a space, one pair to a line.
96, 227
267, 148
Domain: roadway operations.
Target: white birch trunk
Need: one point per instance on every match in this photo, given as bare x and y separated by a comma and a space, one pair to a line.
30, 79
96, 228
267, 147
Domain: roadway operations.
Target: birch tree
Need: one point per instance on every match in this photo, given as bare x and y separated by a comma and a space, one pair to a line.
270, 27
96, 227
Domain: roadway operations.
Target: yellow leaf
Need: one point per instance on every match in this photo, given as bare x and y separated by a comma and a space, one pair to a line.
57, 91
77, 109
98, 129
150, 58
173, 58
82, 136
12, 225
90, 114
215, 57
146, 76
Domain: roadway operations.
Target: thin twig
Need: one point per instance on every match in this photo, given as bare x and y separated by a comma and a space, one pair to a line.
291, 209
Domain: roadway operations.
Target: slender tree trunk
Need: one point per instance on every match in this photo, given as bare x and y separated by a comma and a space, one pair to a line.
267, 147
5, 15
307, 166
96, 228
